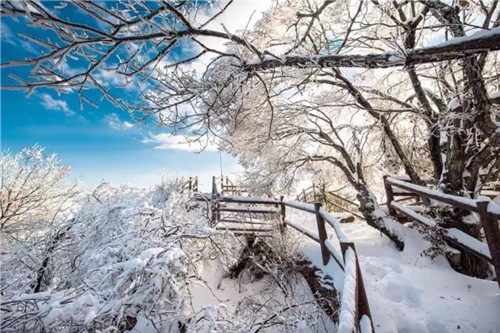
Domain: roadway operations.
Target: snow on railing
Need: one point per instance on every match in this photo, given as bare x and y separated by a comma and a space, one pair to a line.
348, 302
489, 214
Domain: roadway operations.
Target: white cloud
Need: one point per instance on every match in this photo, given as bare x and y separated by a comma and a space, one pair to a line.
51, 103
6, 33
180, 142
116, 123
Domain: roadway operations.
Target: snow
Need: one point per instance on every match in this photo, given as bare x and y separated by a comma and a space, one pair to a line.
469, 241
347, 316
454, 233
303, 229
411, 293
408, 292
475, 36
365, 325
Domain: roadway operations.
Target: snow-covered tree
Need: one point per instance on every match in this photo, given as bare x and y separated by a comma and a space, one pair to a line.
428, 63
35, 191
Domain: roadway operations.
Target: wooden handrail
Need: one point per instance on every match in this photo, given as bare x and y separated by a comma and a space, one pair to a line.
489, 213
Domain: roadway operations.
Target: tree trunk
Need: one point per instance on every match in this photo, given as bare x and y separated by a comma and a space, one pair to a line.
367, 206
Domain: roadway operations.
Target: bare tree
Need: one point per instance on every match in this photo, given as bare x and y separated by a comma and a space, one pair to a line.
35, 189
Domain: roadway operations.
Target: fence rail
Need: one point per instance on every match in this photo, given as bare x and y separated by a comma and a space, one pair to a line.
313, 194
353, 308
488, 211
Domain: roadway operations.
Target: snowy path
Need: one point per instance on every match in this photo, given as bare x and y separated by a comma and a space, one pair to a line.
410, 293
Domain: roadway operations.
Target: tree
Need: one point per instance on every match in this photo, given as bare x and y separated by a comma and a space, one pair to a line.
34, 190
448, 90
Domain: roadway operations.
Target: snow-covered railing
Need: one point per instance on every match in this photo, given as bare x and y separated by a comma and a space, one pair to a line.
354, 301
354, 305
355, 310
488, 211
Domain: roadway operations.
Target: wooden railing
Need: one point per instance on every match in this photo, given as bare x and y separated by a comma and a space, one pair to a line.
354, 301
313, 194
227, 187
191, 184
488, 211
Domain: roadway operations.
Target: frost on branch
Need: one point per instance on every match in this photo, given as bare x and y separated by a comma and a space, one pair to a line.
117, 264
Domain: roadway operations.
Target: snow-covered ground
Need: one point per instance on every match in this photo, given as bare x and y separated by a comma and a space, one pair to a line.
411, 293
408, 292
246, 304
144, 261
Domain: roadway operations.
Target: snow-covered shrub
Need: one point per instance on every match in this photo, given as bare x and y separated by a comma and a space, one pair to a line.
121, 262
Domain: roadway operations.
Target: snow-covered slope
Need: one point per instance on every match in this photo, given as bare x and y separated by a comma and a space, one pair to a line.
409, 292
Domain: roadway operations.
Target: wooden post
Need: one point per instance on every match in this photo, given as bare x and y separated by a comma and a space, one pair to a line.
282, 214
213, 207
323, 195
362, 306
322, 233
390, 197
196, 184
492, 233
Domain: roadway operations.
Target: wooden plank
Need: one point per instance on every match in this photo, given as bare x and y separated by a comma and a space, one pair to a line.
248, 200
342, 198
423, 191
226, 220
243, 209
390, 196
361, 298
244, 229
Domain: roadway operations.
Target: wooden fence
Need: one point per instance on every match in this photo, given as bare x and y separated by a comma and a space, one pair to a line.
191, 184
488, 211
315, 193
354, 301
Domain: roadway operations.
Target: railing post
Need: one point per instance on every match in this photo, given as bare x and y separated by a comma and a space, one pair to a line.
492, 233
213, 204
323, 195
390, 196
362, 306
322, 233
282, 215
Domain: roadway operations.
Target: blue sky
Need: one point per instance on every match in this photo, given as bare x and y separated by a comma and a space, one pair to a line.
99, 144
